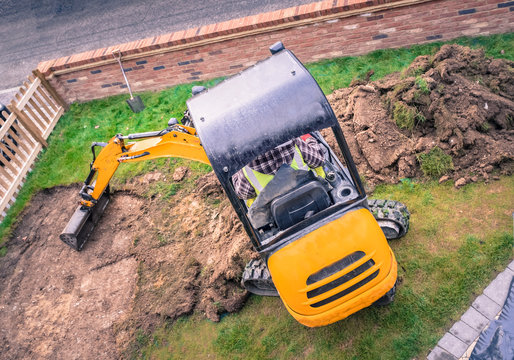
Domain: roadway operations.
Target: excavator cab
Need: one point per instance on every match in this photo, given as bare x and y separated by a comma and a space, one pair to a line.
325, 252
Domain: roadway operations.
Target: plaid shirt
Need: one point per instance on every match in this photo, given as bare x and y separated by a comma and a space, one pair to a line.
270, 162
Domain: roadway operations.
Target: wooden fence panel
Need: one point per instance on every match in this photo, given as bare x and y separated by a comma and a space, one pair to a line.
18, 133
32, 116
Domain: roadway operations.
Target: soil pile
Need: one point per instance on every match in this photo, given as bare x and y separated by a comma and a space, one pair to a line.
458, 101
146, 262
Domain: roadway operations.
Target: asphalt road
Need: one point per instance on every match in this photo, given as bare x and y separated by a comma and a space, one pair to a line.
36, 30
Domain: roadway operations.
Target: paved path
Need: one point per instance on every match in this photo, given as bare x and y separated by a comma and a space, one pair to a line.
32, 31
459, 341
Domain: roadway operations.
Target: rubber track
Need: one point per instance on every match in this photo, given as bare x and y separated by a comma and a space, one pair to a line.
256, 270
391, 210
387, 298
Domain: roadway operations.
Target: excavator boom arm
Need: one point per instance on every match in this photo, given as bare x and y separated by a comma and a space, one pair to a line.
177, 141
183, 144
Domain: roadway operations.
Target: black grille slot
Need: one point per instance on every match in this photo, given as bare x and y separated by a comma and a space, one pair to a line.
335, 267
346, 291
341, 280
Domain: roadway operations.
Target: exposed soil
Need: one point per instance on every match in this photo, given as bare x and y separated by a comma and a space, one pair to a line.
461, 101
148, 261
151, 260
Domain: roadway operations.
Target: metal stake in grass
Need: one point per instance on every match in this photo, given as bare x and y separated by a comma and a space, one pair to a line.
135, 103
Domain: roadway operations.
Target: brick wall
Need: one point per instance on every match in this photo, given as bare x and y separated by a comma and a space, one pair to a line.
314, 31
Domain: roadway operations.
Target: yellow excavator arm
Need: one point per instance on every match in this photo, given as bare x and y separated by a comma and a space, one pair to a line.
180, 142
175, 141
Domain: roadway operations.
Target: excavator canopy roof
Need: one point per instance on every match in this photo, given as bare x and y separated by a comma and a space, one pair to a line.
261, 107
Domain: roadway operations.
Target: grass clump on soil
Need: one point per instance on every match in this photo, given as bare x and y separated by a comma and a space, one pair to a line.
453, 249
435, 163
422, 85
405, 116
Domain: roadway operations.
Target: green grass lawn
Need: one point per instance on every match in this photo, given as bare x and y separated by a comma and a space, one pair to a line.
457, 241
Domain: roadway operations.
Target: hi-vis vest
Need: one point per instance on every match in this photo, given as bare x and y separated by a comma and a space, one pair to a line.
259, 180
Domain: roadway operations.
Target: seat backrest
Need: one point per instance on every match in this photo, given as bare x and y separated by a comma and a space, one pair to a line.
299, 204
285, 180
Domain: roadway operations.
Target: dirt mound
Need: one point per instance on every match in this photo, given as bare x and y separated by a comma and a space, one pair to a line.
147, 261
447, 115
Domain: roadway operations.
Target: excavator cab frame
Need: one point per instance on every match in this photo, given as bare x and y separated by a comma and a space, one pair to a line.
333, 262
258, 109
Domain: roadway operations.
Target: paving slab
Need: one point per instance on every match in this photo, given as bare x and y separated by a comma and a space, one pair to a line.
453, 345
459, 342
511, 272
475, 319
440, 354
498, 289
486, 306
464, 332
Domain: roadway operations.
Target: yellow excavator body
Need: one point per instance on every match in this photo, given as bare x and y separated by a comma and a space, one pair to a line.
335, 270
327, 255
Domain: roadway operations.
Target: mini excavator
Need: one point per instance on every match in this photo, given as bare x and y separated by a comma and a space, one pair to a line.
322, 244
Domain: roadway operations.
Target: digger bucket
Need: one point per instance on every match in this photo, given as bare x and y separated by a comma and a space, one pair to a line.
83, 221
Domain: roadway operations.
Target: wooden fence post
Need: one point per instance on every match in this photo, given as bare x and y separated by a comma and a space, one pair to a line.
27, 124
50, 89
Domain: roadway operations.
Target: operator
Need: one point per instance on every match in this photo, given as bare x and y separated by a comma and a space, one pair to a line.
303, 153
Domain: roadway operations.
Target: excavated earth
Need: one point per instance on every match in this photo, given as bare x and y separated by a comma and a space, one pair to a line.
147, 261
462, 102
151, 261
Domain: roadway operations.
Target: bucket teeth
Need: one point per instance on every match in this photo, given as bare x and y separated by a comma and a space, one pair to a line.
83, 221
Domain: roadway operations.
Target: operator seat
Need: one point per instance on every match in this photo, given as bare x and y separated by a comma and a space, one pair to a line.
290, 197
